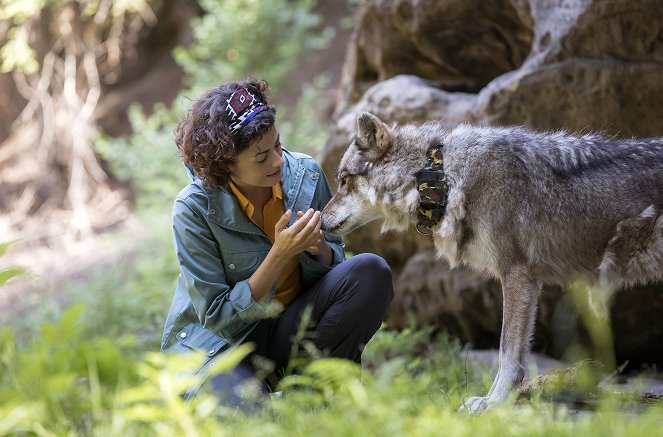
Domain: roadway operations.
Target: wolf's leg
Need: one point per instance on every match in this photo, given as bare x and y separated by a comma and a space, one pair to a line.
521, 294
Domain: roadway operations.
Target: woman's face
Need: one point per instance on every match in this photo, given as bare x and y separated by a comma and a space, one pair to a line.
260, 164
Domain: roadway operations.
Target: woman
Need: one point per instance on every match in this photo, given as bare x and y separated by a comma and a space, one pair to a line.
251, 252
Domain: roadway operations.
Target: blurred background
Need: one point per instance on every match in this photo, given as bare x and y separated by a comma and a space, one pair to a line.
90, 92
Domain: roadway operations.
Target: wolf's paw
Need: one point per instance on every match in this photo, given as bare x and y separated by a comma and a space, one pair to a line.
475, 404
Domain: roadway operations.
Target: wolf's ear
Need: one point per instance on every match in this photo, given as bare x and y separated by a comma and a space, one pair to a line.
373, 136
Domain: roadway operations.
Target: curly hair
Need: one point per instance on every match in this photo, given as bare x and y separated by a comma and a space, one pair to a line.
204, 139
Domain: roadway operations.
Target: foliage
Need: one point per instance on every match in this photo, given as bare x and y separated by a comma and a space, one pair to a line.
93, 372
239, 38
68, 382
74, 378
15, 52
131, 297
98, 22
9, 272
125, 300
61, 55
148, 158
303, 131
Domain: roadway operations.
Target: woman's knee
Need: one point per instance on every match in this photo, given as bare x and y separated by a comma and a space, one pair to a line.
373, 271
372, 264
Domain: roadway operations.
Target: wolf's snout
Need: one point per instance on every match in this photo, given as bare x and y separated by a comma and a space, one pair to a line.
326, 223
329, 224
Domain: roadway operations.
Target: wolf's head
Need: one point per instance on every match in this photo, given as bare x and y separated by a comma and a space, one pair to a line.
375, 179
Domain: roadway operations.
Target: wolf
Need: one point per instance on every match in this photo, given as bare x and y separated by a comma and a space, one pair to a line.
525, 207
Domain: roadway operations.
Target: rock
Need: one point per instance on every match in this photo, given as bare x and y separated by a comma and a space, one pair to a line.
445, 40
575, 381
466, 304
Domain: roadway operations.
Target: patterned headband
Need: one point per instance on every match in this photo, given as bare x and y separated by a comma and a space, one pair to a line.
241, 107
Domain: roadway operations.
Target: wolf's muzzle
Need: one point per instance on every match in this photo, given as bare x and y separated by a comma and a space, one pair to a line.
325, 225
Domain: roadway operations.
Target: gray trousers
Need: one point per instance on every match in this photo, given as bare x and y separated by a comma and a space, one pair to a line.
347, 307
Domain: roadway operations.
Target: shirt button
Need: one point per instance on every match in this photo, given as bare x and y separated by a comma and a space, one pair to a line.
212, 211
231, 266
314, 177
183, 335
212, 351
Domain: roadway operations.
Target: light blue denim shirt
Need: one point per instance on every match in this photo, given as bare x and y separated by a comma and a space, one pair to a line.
219, 248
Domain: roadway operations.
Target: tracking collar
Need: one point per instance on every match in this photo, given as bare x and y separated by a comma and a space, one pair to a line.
433, 190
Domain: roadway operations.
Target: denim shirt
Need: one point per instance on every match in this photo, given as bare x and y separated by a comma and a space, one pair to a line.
219, 248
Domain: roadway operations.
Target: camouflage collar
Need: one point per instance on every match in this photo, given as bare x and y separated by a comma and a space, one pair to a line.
433, 189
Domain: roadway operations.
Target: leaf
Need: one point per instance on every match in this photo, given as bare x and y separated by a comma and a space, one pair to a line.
70, 321
4, 247
21, 417
229, 360
59, 384
17, 54
20, 10
9, 273
146, 413
142, 393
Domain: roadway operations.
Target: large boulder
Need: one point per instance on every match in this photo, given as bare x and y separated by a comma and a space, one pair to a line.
444, 40
565, 64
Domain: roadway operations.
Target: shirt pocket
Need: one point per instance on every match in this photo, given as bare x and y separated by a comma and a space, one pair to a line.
241, 265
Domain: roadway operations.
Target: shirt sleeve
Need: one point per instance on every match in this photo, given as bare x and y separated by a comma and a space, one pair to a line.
225, 310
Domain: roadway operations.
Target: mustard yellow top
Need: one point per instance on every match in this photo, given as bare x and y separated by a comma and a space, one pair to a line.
289, 283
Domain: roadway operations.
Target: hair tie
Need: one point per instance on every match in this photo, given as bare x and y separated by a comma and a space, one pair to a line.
241, 107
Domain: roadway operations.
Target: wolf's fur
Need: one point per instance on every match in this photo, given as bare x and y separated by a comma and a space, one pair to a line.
526, 207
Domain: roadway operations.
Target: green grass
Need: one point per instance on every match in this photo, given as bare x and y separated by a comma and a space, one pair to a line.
125, 298
93, 369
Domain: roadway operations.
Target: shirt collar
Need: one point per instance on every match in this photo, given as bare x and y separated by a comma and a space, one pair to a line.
245, 204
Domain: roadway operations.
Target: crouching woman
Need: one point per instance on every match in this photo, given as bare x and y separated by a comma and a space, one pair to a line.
248, 238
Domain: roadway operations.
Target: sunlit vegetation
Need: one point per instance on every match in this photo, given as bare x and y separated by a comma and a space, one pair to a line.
88, 363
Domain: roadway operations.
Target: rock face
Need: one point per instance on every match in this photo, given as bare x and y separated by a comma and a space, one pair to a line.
449, 41
579, 65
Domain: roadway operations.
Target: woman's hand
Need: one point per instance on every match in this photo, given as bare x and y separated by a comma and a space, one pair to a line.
320, 249
288, 242
303, 234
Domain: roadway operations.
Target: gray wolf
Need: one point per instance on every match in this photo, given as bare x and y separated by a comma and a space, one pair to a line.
528, 208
